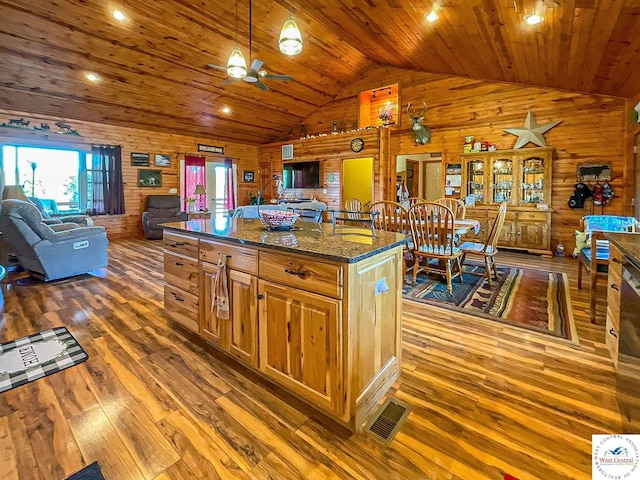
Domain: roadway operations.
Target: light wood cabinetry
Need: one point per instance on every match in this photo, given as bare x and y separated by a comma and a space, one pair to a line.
182, 286
614, 283
327, 331
522, 178
302, 343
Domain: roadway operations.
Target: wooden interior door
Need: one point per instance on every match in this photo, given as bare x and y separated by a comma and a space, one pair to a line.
413, 177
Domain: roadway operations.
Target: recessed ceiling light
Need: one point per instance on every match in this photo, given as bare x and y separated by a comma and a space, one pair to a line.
534, 19
432, 17
118, 15
226, 110
92, 77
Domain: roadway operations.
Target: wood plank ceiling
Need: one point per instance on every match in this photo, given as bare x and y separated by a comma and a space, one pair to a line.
154, 75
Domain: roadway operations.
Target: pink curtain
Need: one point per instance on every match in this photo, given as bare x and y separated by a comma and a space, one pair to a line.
229, 197
194, 174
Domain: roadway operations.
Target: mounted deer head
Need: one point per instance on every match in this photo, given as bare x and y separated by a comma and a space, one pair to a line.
422, 133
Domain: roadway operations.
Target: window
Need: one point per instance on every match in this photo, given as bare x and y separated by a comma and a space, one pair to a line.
58, 178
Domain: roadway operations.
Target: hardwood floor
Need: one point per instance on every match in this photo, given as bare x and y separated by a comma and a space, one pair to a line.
151, 402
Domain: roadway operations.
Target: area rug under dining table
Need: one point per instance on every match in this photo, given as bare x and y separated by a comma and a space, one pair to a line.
534, 300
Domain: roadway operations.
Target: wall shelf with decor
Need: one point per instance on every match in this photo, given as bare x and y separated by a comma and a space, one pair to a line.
452, 180
520, 177
378, 106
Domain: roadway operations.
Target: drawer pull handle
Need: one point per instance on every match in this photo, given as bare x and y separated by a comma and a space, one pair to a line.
178, 298
177, 244
300, 273
616, 260
615, 287
613, 332
179, 264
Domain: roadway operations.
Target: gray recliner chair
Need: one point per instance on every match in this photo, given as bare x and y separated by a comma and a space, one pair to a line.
161, 209
51, 252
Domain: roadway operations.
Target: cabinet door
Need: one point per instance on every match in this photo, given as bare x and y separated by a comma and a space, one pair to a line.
508, 234
301, 343
533, 235
241, 335
211, 327
502, 180
476, 183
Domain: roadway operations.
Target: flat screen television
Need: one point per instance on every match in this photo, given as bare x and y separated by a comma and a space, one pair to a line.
301, 175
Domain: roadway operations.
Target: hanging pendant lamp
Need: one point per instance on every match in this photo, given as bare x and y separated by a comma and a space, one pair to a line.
236, 66
290, 37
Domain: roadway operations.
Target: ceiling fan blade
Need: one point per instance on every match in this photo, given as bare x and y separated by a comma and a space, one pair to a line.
261, 85
285, 78
229, 80
219, 67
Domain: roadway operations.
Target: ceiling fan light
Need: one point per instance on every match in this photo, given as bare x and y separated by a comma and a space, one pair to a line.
290, 38
236, 66
534, 19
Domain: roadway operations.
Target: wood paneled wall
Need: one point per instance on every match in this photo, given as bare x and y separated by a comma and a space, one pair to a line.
330, 150
632, 177
136, 140
592, 129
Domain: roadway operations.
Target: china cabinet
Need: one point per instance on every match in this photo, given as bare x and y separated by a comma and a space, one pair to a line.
522, 178
453, 180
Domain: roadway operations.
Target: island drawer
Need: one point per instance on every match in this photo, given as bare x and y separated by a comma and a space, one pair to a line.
616, 259
182, 307
304, 273
182, 244
181, 271
238, 258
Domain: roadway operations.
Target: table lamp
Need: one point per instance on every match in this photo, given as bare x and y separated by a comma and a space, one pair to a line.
200, 191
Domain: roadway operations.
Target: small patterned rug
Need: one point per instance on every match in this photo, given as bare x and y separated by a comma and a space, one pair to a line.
29, 358
536, 300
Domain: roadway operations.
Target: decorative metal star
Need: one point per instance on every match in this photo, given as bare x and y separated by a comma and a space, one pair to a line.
531, 131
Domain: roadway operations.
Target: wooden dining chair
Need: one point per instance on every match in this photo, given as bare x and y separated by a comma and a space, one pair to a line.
411, 201
353, 205
432, 233
392, 217
487, 250
455, 204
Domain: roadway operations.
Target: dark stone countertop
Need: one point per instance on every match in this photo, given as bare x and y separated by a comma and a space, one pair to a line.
308, 238
629, 245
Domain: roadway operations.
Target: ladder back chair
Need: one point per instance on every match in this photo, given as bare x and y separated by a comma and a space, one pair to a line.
487, 250
433, 233
393, 217
455, 204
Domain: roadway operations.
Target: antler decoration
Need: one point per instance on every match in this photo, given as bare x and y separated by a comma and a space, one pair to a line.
422, 133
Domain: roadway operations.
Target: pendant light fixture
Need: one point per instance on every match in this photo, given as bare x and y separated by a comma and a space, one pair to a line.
290, 37
236, 66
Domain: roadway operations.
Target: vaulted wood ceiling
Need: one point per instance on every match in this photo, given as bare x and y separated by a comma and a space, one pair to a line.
154, 74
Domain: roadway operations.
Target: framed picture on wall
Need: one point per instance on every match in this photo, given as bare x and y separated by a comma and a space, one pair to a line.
162, 160
248, 176
140, 159
149, 178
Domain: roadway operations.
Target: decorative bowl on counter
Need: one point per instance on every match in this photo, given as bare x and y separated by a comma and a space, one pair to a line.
278, 219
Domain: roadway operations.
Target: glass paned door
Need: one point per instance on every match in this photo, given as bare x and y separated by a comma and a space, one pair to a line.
502, 180
216, 193
533, 178
475, 180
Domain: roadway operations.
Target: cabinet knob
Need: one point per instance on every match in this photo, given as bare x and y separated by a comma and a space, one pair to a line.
260, 296
613, 332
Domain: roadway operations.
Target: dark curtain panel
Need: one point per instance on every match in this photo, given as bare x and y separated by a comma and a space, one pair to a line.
107, 189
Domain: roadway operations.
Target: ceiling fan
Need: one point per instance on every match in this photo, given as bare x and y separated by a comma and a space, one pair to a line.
254, 75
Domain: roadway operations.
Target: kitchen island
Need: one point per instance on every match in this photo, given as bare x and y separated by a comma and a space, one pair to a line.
315, 313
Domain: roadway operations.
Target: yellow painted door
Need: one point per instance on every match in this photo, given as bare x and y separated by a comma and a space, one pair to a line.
301, 343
